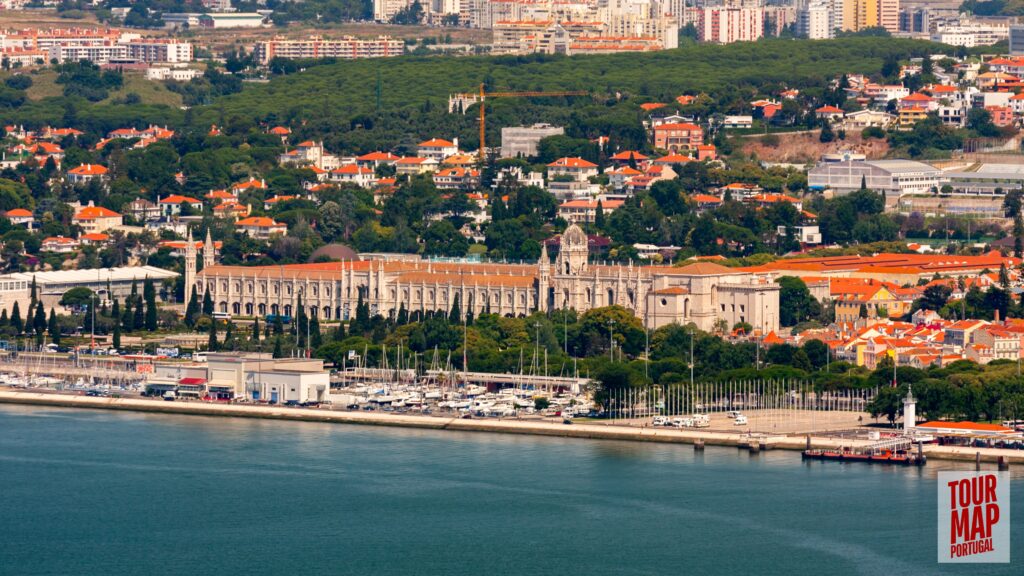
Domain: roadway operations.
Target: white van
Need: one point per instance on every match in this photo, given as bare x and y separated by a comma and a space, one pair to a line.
740, 420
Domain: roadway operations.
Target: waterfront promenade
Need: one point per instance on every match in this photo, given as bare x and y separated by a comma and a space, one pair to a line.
588, 430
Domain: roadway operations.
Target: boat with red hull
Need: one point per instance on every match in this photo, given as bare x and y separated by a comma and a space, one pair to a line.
898, 457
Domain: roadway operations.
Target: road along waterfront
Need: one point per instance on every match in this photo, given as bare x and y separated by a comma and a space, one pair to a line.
590, 430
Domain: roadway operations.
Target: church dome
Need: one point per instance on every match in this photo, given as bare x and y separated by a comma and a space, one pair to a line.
333, 252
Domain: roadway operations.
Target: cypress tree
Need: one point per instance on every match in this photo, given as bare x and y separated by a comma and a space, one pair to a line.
277, 348
39, 323
115, 311
53, 327
315, 338
16, 322
266, 330
455, 316
278, 325
256, 330
599, 216
403, 315
192, 310
117, 336
134, 297
149, 293
339, 332
35, 293
4, 320
126, 315
229, 335
87, 321
211, 343
207, 304
139, 316
301, 323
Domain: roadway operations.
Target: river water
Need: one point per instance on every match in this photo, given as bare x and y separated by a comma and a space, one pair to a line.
96, 492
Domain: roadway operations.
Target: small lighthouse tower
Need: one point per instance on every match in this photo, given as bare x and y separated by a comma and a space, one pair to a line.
909, 412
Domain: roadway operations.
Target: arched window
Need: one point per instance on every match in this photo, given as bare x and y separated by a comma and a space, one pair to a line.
248, 309
262, 308
236, 308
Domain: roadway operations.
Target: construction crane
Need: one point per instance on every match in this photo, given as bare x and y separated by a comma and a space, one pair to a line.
483, 114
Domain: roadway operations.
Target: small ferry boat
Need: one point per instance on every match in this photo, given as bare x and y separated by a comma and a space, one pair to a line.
899, 457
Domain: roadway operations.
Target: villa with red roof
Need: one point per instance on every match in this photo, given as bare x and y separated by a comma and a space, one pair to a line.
97, 219
59, 245
829, 113
173, 204
577, 211
678, 136
250, 184
354, 174
261, 227
437, 148
19, 216
86, 173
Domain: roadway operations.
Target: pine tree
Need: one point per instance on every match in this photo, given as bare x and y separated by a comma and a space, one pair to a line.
256, 330
211, 343
53, 327
149, 293
316, 339
277, 348
192, 310
207, 304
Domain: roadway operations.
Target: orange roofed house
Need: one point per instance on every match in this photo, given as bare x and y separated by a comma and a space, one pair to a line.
261, 227
96, 219
678, 137
86, 173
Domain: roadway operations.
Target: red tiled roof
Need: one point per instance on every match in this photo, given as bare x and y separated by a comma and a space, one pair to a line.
572, 163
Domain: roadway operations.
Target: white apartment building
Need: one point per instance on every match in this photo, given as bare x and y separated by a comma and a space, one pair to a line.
815, 21
970, 35
726, 25
159, 50
97, 54
347, 48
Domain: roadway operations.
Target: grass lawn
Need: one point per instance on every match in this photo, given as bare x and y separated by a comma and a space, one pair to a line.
44, 85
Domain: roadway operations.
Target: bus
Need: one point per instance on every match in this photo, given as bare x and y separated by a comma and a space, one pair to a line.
221, 316
271, 318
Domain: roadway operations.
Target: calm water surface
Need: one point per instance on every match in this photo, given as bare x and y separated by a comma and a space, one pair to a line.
94, 492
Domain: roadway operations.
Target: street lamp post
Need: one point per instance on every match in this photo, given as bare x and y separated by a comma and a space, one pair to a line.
611, 340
